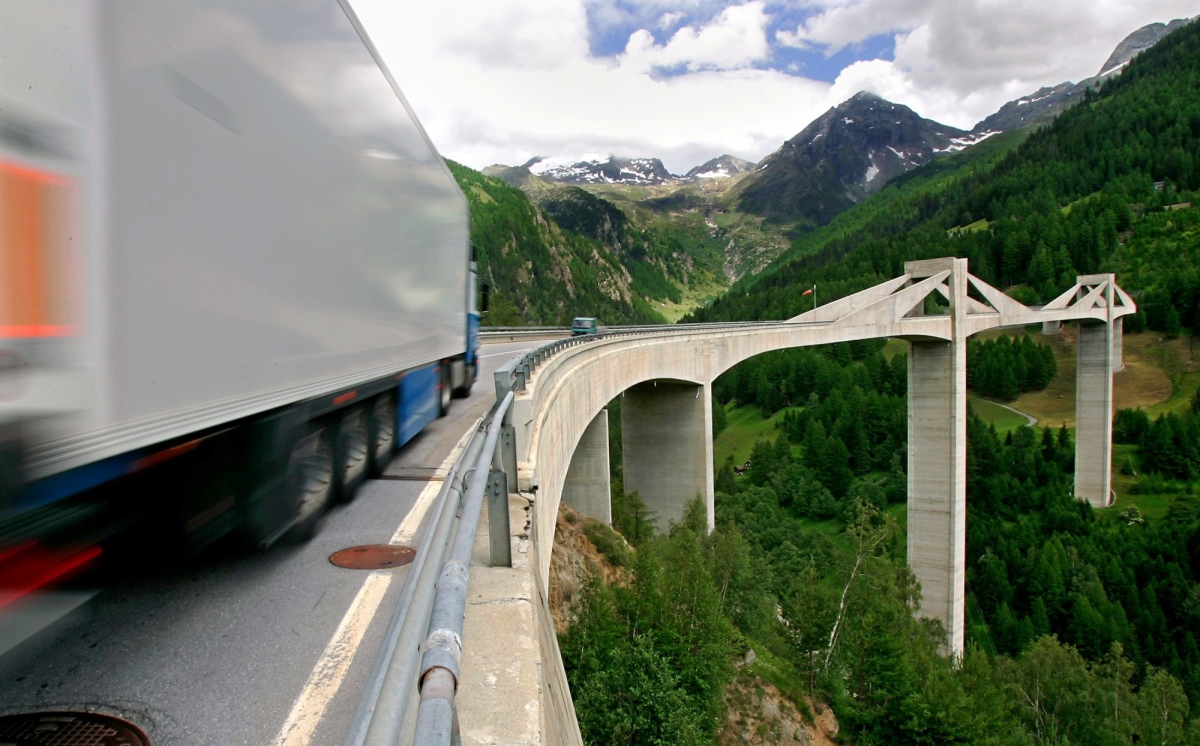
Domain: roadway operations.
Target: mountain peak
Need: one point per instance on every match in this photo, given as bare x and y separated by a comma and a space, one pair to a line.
1136, 43
612, 170
1050, 101
844, 155
721, 167
865, 97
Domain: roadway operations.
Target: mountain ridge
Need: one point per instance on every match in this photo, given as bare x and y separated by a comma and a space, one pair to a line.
846, 154
1048, 102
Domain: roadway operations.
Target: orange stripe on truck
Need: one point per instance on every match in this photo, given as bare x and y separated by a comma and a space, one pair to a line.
33, 280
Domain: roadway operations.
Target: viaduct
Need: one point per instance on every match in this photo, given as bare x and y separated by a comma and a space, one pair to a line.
561, 433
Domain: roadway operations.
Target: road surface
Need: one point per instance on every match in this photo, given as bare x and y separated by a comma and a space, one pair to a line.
235, 647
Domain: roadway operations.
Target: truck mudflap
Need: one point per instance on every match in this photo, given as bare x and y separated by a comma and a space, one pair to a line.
11, 468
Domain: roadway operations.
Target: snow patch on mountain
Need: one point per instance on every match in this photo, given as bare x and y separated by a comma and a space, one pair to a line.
595, 170
962, 143
1112, 70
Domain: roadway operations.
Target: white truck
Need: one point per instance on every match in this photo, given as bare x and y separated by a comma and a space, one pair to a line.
235, 274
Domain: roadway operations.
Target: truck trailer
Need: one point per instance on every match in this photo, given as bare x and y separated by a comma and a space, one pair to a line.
235, 274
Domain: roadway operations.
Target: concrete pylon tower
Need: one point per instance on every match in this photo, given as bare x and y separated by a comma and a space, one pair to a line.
937, 459
1098, 349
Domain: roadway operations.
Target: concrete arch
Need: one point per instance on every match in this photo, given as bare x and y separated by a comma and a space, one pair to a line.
665, 425
564, 395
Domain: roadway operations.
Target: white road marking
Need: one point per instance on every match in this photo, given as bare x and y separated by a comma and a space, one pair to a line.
327, 676
331, 668
408, 527
514, 353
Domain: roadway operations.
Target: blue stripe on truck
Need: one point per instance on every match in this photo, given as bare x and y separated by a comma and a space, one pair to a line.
418, 402
73, 481
472, 337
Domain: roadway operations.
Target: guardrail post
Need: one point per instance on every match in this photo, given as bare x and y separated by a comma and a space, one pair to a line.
508, 452
508, 446
503, 381
498, 528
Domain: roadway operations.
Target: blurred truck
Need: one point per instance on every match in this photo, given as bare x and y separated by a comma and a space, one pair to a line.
235, 274
582, 325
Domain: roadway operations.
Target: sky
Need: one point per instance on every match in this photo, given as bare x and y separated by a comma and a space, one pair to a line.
502, 81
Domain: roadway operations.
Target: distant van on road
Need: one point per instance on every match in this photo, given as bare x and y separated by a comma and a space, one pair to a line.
584, 325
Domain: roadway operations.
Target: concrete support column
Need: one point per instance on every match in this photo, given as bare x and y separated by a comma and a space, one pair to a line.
587, 485
1118, 345
666, 436
1093, 414
937, 465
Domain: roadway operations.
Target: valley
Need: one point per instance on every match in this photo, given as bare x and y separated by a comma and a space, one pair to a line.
806, 565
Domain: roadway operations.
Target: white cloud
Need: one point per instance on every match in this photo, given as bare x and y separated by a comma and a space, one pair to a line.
504, 80
669, 20
564, 101
959, 60
734, 39
532, 34
646, 13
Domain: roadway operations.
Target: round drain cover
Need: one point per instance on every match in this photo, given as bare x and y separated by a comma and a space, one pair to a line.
373, 557
69, 728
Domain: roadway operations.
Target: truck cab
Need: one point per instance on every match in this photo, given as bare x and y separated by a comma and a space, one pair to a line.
584, 325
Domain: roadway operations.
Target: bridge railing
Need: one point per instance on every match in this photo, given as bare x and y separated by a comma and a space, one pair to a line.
423, 644
514, 374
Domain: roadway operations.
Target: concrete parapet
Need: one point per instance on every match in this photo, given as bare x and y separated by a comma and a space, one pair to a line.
513, 689
587, 487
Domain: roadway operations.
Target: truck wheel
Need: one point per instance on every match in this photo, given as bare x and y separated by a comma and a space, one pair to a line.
351, 453
383, 433
310, 481
462, 392
444, 391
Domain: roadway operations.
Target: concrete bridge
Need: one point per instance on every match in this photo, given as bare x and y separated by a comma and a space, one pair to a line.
664, 379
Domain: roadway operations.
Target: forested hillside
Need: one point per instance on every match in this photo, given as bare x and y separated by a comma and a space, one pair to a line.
1106, 187
1083, 626
541, 273
1080, 629
663, 259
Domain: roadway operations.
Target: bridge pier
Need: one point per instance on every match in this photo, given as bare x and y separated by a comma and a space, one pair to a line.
587, 487
666, 438
1118, 345
937, 463
1093, 414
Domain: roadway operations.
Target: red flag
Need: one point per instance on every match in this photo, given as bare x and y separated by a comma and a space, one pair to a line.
806, 292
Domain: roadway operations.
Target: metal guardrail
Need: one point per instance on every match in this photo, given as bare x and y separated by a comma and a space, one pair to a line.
423, 644
515, 333
520, 369
437, 722
433, 600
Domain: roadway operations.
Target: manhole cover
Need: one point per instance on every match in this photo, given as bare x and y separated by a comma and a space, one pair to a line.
373, 557
69, 729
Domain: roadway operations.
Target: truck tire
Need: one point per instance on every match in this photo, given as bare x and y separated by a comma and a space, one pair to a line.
463, 391
351, 454
310, 481
444, 391
383, 433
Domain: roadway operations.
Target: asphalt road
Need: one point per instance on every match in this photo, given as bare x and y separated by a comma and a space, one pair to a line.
223, 649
